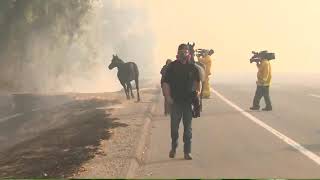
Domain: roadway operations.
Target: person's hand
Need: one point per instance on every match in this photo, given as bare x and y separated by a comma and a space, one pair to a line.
198, 93
258, 63
169, 99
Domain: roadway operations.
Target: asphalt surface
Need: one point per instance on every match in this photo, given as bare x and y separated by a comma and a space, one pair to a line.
230, 141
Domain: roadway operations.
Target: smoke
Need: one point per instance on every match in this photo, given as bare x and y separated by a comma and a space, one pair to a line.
78, 62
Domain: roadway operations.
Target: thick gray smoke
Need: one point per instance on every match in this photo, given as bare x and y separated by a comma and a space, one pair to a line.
80, 63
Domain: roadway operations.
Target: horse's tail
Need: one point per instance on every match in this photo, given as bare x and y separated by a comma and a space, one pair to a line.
136, 79
201, 68
136, 70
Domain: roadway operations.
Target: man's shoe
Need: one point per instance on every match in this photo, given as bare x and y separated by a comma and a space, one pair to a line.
187, 156
267, 109
254, 108
172, 154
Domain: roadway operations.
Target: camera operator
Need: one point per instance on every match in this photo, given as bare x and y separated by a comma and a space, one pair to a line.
263, 83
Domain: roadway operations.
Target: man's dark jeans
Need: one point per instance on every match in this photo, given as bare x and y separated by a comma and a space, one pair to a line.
262, 91
181, 111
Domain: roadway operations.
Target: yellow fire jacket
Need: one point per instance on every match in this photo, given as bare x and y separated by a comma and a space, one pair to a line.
264, 73
207, 62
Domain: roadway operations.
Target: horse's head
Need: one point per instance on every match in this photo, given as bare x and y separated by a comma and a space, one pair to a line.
115, 62
191, 50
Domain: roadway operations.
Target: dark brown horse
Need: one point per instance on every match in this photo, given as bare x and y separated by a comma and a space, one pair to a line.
201, 68
127, 72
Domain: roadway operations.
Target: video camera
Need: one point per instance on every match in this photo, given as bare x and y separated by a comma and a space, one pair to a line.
203, 52
258, 56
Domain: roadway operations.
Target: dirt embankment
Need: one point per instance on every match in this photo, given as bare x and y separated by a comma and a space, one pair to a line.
64, 139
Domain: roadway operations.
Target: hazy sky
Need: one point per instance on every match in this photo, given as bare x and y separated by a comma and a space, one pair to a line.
233, 28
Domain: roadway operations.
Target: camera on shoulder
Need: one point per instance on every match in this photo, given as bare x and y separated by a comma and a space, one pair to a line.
258, 56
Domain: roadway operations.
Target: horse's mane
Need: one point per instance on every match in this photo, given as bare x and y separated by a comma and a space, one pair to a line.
120, 60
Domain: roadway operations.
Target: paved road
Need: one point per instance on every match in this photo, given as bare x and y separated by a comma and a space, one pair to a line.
232, 142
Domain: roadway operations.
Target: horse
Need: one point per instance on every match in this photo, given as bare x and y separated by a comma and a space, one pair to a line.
127, 72
201, 68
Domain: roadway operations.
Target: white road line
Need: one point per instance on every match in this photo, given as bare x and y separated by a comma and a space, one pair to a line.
10, 117
314, 95
281, 136
145, 89
35, 109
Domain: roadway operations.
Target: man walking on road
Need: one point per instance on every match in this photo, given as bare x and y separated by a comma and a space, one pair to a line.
180, 84
263, 84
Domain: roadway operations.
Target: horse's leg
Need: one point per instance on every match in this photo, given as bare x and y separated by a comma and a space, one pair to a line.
125, 89
137, 87
130, 87
201, 96
128, 90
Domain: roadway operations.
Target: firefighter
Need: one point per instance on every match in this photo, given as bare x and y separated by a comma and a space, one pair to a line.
205, 59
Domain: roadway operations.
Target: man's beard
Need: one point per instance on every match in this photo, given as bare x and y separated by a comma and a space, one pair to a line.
183, 57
